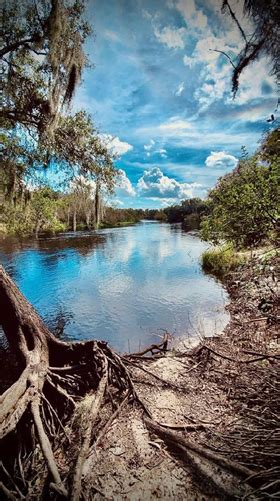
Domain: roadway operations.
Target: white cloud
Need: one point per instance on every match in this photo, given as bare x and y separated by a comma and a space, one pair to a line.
124, 186
189, 61
118, 202
214, 79
115, 145
150, 145
198, 133
215, 71
154, 184
172, 37
254, 81
222, 159
174, 125
259, 111
150, 149
111, 35
180, 89
146, 14
194, 18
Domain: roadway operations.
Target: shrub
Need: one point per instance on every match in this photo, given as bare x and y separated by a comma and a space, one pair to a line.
244, 205
221, 260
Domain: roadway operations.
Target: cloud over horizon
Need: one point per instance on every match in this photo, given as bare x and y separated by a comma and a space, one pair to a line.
154, 184
161, 94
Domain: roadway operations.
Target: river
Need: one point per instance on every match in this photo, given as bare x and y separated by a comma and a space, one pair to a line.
124, 285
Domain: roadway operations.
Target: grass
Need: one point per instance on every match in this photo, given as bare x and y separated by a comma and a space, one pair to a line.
221, 260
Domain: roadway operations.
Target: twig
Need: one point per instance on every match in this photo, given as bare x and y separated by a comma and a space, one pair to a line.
111, 419
226, 55
164, 381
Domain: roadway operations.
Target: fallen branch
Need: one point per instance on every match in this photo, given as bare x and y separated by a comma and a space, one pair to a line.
174, 438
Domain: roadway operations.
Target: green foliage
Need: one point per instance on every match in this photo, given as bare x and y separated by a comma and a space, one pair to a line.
43, 59
36, 131
16, 220
121, 217
39, 213
221, 260
244, 205
271, 145
89, 157
44, 206
188, 212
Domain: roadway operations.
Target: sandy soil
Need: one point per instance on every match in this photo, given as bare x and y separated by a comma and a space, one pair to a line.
215, 385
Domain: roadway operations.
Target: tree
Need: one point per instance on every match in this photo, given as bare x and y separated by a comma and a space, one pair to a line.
81, 202
244, 205
265, 15
78, 147
43, 59
44, 206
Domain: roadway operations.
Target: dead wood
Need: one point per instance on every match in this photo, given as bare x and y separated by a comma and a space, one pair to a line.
224, 479
174, 438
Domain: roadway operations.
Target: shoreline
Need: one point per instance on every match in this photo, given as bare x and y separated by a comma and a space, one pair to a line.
205, 394
203, 424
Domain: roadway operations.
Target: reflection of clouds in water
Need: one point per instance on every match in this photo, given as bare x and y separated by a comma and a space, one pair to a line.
121, 284
125, 253
115, 285
165, 249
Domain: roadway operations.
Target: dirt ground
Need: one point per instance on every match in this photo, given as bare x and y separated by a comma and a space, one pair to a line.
221, 394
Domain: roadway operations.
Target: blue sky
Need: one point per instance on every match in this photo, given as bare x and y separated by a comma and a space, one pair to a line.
162, 98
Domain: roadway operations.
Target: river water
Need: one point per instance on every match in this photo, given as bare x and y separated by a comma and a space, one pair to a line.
124, 285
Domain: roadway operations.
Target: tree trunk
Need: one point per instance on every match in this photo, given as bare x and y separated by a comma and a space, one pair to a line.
74, 219
68, 218
97, 205
58, 382
37, 228
88, 215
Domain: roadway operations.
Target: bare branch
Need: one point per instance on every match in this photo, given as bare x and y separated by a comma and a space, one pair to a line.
226, 55
233, 16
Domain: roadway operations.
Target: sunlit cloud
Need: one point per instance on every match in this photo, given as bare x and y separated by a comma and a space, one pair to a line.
180, 89
161, 91
221, 159
155, 184
171, 37
115, 145
124, 186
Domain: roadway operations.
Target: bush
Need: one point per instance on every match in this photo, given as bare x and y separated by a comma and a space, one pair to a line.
221, 260
244, 205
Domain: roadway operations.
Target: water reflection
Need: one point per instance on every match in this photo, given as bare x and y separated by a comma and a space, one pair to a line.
121, 284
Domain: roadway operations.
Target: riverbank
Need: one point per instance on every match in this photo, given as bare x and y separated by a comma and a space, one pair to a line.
217, 405
121, 224
193, 422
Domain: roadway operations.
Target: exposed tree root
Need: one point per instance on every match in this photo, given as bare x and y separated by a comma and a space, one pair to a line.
56, 415
59, 397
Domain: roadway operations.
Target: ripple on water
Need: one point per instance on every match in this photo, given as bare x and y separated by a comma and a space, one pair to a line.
122, 285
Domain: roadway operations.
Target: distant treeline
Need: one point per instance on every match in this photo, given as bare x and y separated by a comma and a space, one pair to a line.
242, 209
189, 212
44, 210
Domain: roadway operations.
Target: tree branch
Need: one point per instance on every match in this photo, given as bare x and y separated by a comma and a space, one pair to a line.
226, 55
16, 45
233, 16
